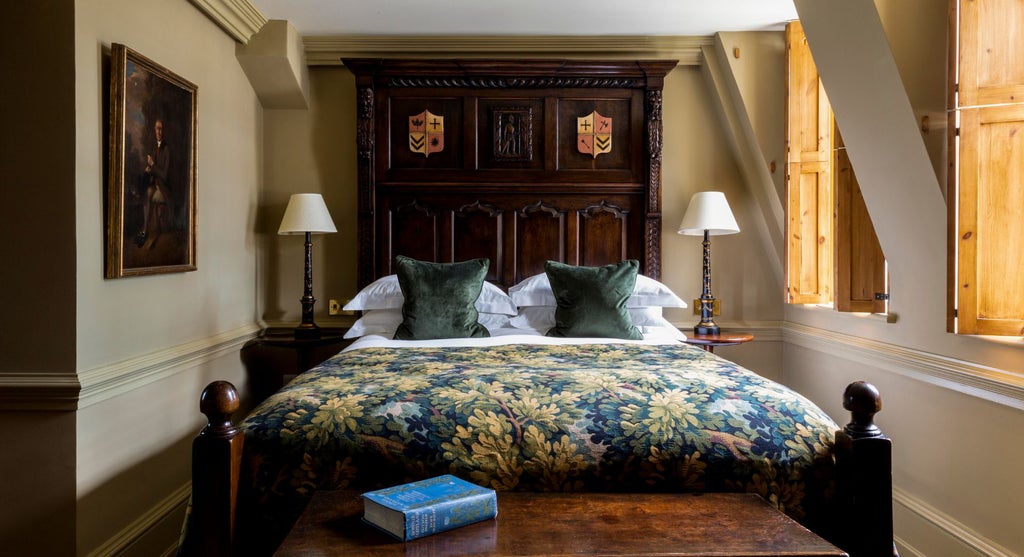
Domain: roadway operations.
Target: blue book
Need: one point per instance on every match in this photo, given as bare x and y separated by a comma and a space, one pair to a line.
418, 509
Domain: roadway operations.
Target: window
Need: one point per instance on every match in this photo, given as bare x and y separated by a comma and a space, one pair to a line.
832, 252
986, 193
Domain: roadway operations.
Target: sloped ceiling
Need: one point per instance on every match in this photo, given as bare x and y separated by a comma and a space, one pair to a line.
528, 17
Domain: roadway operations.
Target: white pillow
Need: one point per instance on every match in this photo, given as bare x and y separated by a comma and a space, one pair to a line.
543, 317
376, 322
659, 333
385, 293
386, 321
536, 291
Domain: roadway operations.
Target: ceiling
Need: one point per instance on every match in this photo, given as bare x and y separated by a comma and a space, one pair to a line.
528, 17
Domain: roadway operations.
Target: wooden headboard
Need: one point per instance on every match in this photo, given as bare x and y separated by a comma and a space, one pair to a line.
516, 161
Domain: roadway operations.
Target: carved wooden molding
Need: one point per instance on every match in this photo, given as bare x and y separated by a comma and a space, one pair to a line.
604, 207
329, 50
238, 18
477, 207
522, 83
555, 212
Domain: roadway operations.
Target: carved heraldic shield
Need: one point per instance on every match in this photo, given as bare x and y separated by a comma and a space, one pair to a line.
594, 134
426, 133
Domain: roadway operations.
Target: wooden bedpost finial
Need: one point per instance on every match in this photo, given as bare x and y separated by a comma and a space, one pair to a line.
863, 401
218, 401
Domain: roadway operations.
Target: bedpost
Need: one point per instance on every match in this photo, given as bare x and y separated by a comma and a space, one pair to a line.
216, 462
864, 477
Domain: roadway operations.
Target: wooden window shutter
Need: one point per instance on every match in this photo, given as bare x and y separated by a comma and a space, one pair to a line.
990, 233
860, 263
808, 177
991, 57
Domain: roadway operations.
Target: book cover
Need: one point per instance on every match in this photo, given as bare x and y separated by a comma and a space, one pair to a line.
418, 509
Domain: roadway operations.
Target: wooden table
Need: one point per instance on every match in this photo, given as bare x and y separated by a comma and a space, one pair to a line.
720, 524
709, 342
275, 356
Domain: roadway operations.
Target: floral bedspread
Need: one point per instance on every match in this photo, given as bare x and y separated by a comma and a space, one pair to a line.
601, 417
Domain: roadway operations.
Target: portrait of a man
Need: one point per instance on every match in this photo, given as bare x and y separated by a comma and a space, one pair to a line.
152, 194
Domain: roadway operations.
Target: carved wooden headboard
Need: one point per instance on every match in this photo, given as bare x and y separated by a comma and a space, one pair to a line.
516, 161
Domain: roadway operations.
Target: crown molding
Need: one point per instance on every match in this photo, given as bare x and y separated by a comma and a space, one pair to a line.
238, 18
329, 50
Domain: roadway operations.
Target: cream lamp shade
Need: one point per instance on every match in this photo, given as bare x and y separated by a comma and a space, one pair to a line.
306, 212
708, 210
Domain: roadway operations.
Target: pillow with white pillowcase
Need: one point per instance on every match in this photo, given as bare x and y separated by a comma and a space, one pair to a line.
536, 291
385, 293
384, 322
648, 319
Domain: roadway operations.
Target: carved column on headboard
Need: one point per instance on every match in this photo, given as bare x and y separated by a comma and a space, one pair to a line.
365, 147
653, 224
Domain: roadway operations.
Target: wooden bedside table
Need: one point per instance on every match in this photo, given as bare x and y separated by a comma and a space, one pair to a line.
275, 356
709, 342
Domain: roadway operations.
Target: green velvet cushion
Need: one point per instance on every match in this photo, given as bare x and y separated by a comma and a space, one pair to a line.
591, 301
440, 298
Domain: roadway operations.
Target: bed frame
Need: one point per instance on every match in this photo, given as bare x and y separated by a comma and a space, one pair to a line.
459, 159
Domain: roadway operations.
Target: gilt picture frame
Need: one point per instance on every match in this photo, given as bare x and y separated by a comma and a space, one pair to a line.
153, 146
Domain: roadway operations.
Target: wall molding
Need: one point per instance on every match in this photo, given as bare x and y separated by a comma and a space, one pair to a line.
69, 391
326, 50
988, 383
107, 381
238, 18
948, 525
39, 391
140, 526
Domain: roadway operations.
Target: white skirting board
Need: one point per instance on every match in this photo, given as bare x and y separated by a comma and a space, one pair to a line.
921, 528
169, 509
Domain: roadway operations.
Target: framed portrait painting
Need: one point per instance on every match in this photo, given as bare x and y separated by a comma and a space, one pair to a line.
151, 195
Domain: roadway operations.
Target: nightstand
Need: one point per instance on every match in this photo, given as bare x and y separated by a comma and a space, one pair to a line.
709, 342
275, 356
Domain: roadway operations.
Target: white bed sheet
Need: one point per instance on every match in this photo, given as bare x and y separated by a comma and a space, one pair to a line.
498, 337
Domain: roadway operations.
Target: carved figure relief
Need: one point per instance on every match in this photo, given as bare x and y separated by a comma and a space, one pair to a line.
513, 133
594, 134
426, 133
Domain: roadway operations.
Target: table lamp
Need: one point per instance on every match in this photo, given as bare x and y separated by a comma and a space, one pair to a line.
707, 214
307, 214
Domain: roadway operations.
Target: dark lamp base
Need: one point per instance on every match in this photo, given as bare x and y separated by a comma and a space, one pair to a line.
307, 331
704, 329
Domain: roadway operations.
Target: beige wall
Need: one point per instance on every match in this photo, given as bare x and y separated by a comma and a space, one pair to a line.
113, 473
310, 151
122, 318
133, 446
37, 277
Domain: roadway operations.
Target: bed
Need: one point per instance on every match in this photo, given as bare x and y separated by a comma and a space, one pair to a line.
488, 175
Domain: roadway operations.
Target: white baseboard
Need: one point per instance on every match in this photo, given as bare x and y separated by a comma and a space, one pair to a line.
957, 532
135, 531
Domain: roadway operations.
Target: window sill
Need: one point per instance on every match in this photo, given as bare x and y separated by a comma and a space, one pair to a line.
878, 317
